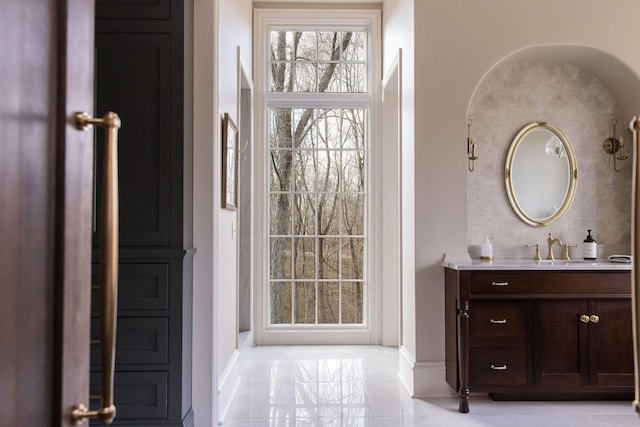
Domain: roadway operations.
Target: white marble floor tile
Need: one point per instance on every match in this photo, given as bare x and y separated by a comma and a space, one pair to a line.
359, 386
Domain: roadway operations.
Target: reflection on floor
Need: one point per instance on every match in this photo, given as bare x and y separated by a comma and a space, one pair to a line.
358, 386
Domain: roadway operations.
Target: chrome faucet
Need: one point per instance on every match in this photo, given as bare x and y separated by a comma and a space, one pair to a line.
550, 242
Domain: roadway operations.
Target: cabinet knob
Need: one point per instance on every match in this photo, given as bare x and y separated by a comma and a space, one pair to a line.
594, 318
498, 322
499, 367
584, 318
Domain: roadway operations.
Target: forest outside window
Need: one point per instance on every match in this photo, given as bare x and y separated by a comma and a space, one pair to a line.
318, 147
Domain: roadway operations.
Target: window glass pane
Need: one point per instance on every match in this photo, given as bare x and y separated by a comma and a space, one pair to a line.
280, 302
353, 215
352, 302
306, 170
328, 251
305, 302
328, 302
305, 257
280, 166
304, 128
280, 128
352, 262
305, 77
329, 77
304, 43
281, 76
280, 258
304, 221
353, 78
329, 129
282, 45
353, 126
327, 169
280, 214
329, 214
329, 45
355, 50
353, 170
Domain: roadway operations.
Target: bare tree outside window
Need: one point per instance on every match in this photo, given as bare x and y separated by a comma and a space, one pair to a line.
317, 181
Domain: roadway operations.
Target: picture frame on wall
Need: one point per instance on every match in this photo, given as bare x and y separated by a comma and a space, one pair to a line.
229, 163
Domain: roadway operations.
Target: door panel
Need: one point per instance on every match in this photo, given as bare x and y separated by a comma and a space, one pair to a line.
74, 209
560, 343
611, 344
45, 220
27, 214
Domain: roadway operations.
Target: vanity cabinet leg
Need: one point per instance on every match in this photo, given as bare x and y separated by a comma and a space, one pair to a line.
464, 400
463, 356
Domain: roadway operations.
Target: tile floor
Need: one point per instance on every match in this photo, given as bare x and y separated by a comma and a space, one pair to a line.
358, 386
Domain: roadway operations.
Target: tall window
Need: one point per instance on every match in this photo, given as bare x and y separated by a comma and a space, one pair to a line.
317, 126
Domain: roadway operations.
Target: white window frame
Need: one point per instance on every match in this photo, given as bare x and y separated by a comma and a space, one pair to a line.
368, 20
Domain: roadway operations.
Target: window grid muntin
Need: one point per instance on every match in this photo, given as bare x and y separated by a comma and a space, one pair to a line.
341, 62
316, 280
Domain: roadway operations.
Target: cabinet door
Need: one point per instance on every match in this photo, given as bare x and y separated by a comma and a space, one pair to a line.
560, 343
610, 343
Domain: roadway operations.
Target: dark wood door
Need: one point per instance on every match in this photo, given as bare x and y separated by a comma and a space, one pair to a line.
560, 343
610, 344
46, 173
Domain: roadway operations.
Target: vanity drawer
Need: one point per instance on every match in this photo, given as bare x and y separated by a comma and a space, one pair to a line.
497, 321
497, 366
492, 283
582, 282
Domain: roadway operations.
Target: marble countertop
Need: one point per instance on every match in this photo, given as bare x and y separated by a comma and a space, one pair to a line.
529, 264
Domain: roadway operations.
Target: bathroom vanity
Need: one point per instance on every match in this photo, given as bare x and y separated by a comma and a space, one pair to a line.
522, 330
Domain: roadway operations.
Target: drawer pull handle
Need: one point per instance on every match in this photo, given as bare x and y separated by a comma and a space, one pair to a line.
499, 283
499, 368
498, 322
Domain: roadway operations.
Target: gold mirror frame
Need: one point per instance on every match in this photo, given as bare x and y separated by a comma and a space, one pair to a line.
573, 174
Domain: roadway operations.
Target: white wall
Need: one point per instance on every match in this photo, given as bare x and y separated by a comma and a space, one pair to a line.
456, 44
398, 33
205, 181
219, 26
235, 29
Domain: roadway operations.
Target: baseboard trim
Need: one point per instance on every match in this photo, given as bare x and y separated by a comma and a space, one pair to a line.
423, 379
188, 420
228, 385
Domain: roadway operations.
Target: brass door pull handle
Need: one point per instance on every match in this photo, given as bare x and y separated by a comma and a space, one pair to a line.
499, 283
498, 322
584, 318
594, 318
499, 367
108, 267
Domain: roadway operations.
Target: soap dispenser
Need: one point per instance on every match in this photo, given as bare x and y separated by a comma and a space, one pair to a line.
589, 249
486, 252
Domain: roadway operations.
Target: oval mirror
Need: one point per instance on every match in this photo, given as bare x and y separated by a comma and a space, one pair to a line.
540, 174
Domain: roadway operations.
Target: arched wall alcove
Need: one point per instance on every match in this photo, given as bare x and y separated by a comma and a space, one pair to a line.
580, 90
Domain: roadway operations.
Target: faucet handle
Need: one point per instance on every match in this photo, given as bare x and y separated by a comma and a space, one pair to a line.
565, 251
537, 255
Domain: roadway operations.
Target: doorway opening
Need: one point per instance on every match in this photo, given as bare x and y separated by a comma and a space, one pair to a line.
245, 207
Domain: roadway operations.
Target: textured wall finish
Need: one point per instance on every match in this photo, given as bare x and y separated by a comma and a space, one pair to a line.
574, 100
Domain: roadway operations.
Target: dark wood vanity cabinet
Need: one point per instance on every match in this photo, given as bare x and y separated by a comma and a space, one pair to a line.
594, 351
540, 334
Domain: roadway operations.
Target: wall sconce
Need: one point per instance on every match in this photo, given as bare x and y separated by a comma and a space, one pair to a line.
612, 146
471, 147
